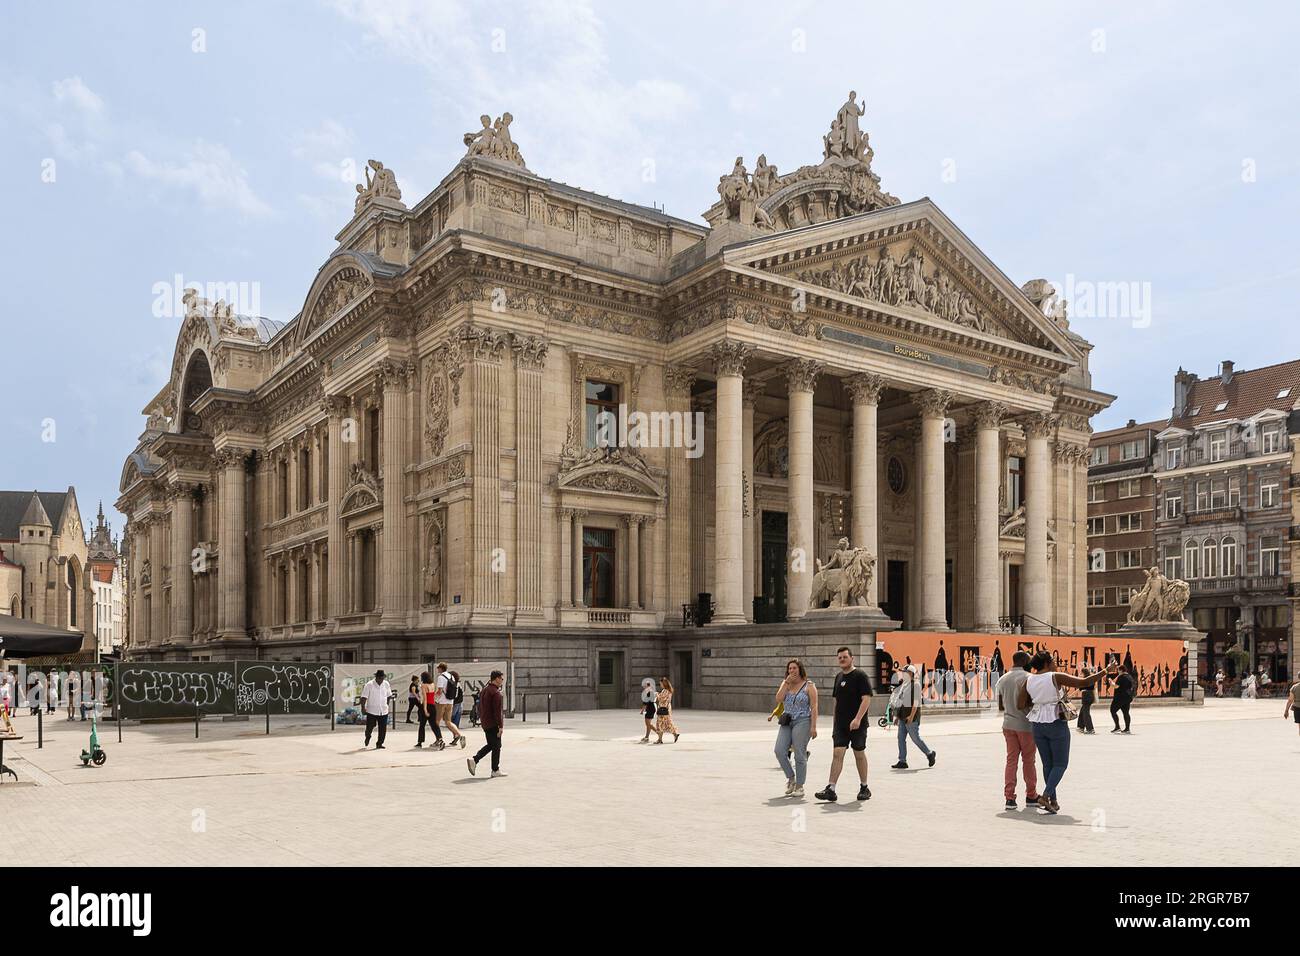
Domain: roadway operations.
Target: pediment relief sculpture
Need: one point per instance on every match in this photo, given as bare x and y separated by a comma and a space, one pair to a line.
906, 280
620, 470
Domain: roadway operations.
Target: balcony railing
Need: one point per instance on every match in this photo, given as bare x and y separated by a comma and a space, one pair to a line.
1230, 585
1232, 450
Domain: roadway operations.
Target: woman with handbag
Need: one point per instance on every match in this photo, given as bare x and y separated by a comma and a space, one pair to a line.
797, 699
1087, 699
1043, 695
664, 711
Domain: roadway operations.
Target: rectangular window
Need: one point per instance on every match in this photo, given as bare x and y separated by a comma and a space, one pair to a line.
597, 567
1271, 440
1173, 563
1218, 446
602, 414
1218, 493
1128, 522
1123, 595
1202, 495
1096, 597
1097, 560
372, 440
1173, 504
1268, 494
1128, 559
1100, 455
1270, 556
1096, 526
1174, 456
1096, 492
1234, 492
1131, 450
1130, 488
1016, 482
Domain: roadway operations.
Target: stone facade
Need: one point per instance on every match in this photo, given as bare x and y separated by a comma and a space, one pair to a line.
410, 467
43, 560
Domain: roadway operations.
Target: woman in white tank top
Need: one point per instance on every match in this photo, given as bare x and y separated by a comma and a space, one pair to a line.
1041, 696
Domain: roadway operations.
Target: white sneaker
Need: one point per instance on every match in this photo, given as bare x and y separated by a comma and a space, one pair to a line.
789, 786
499, 773
797, 791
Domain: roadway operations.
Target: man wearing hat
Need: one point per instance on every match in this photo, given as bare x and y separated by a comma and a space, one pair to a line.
374, 704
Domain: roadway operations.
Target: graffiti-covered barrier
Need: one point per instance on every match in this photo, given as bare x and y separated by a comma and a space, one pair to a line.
224, 687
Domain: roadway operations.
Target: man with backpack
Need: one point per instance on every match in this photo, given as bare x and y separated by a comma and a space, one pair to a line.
447, 689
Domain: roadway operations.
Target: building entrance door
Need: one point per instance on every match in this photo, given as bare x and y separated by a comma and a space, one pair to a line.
771, 608
683, 678
895, 596
609, 680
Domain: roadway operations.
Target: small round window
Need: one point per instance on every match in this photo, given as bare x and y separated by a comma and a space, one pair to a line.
897, 476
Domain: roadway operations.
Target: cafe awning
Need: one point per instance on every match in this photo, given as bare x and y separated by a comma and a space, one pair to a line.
22, 638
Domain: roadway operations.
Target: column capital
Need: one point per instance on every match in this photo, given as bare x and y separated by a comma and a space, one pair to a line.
988, 415
678, 379
179, 490
865, 388
933, 402
230, 457
530, 352
729, 357
750, 391
338, 406
1069, 453
801, 374
1038, 424
392, 373
483, 344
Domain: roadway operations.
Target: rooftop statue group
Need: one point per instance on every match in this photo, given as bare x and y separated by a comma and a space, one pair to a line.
493, 140
1160, 601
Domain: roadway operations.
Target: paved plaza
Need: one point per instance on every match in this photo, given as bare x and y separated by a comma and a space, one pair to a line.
1199, 785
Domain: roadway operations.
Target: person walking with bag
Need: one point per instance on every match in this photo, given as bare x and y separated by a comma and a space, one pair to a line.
664, 723
797, 699
908, 718
1087, 698
1043, 695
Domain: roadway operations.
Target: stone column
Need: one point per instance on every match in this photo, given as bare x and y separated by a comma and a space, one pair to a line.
749, 397
565, 592
801, 379
354, 571
394, 562
530, 363
1038, 490
182, 577
988, 475
340, 407
866, 390
484, 349
231, 463
678, 380
576, 555
648, 563
157, 557
633, 523
729, 361
932, 543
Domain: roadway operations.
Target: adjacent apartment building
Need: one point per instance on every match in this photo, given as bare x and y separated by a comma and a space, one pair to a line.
1223, 474
1121, 526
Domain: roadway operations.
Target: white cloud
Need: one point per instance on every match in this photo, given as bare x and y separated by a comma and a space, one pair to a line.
210, 172
76, 93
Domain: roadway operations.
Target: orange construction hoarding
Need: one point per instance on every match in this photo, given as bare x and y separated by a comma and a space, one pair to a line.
959, 667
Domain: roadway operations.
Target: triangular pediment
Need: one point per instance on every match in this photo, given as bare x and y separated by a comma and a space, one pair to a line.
908, 260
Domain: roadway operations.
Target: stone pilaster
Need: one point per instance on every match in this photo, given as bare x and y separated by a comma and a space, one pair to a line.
729, 362
576, 554
988, 476
865, 391
230, 462
931, 543
484, 349
677, 394
749, 398
1038, 491
340, 408
801, 381
530, 363
394, 560
182, 506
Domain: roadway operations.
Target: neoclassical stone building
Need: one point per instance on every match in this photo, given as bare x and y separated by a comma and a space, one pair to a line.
410, 465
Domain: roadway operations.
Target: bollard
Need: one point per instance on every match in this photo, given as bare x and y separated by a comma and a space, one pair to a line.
117, 701
331, 716
548, 708
524, 718
268, 716
196, 721
40, 727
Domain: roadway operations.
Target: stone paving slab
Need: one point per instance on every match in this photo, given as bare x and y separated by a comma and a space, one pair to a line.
585, 791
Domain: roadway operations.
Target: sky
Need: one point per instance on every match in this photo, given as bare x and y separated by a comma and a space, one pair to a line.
1143, 159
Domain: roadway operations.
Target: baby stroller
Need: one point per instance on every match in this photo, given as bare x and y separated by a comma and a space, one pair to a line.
473, 711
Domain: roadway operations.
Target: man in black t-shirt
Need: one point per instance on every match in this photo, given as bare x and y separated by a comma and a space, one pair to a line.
852, 698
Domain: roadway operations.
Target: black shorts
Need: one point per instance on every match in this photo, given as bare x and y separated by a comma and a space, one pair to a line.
1295, 712
649, 710
841, 736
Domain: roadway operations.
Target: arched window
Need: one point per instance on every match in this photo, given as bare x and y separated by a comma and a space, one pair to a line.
1210, 558
72, 596
1228, 553
1191, 562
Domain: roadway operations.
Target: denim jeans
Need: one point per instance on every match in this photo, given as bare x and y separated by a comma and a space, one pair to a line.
1053, 742
913, 730
794, 736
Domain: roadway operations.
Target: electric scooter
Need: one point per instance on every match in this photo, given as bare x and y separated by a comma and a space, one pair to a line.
95, 754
